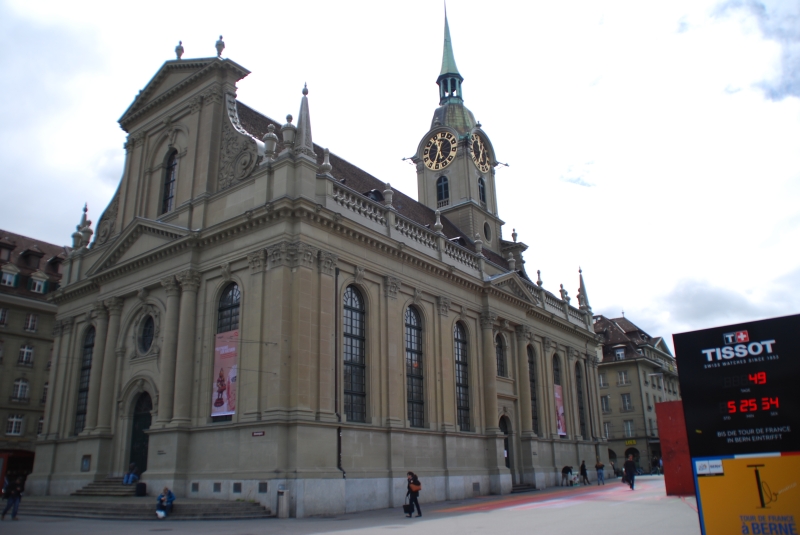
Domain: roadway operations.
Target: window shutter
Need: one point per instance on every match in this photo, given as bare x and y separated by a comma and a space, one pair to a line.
46, 287
30, 283
16, 280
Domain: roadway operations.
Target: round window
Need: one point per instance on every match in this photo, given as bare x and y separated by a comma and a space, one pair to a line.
146, 338
487, 232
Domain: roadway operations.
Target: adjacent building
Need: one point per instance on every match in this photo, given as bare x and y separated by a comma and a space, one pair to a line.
255, 313
30, 271
637, 371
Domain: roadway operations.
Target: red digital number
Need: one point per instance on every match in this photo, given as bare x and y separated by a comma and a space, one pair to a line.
759, 378
731, 407
748, 405
766, 403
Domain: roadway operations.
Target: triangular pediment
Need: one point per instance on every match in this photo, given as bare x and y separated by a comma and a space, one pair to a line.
142, 237
172, 78
510, 283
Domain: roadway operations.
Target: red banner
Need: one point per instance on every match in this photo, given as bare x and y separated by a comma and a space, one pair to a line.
226, 360
561, 420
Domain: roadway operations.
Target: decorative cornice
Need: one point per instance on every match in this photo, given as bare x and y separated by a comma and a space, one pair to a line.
359, 275
114, 305
523, 332
257, 261
327, 262
171, 285
225, 270
487, 320
99, 311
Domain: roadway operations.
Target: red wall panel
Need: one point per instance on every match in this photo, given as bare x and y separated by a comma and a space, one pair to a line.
678, 476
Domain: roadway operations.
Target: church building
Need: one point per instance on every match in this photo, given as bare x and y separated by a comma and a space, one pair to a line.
253, 314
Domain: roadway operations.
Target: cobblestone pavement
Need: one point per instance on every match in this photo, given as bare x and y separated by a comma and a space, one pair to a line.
612, 509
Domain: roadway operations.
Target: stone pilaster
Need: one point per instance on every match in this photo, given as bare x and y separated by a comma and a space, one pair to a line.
168, 351
114, 306
97, 366
60, 339
522, 333
250, 354
190, 283
326, 352
491, 424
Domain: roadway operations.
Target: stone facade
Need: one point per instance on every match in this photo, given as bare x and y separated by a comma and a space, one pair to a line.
637, 372
223, 213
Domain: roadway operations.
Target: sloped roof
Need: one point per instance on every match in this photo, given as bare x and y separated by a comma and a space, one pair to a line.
361, 181
22, 244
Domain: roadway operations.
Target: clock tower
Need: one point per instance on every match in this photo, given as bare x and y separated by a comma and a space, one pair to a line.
456, 161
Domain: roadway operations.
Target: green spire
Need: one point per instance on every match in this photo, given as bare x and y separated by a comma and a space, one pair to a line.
449, 80
448, 59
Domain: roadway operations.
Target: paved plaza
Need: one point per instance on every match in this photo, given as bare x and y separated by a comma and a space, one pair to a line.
612, 509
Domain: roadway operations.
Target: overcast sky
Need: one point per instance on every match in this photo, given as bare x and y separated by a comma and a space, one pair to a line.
654, 144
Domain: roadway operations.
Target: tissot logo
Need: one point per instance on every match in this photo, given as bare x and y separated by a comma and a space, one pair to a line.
739, 337
752, 349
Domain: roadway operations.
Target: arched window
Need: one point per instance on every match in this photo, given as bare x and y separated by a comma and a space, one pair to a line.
21, 390
482, 190
83, 384
168, 198
148, 333
228, 311
579, 390
532, 381
556, 370
462, 377
44, 393
414, 391
442, 192
355, 362
501, 356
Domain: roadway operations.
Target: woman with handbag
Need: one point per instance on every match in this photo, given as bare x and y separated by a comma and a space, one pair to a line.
414, 486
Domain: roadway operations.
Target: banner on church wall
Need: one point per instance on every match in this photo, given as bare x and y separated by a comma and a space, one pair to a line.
561, 420
226, 361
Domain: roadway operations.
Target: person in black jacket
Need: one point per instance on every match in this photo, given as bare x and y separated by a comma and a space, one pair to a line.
565, 473
14, 496
584, 474
413, 495
630, 470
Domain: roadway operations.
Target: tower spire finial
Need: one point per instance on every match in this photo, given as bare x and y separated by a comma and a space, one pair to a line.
449, 78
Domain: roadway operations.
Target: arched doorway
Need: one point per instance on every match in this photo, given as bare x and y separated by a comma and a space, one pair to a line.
612, 458
505, 427
635, 453
141, 423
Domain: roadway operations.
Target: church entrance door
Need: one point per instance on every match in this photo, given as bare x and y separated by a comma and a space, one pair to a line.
141, 423
505, 427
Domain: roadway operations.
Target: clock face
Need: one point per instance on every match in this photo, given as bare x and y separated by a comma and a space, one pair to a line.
439, 151
479, 151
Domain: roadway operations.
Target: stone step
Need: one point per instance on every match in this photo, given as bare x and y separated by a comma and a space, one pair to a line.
516, 489
142, 509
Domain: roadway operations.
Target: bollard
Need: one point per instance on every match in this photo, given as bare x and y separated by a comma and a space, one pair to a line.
283, 504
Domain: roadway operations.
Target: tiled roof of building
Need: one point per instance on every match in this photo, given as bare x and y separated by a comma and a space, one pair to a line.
361, 181
30, 255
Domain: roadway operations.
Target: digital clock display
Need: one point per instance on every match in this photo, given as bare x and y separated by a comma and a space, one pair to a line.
738, 385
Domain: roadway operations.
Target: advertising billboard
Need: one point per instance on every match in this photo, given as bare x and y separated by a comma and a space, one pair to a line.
561, 420
742, 416
226, 363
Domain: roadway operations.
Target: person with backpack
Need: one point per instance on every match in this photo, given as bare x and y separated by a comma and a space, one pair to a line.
414, 486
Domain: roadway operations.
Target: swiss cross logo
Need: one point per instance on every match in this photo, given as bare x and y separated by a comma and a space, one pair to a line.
739, 337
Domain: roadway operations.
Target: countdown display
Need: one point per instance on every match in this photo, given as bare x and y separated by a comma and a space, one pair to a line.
739, 385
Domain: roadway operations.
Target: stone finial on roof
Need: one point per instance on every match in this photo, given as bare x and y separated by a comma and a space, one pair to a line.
270, 142
288, 131
514, 235
220, 46
583, 297
388, 193
83, 231
564, 294
303, 143
478, 244
512, 262
179, 49
437, 227
325, 168
539, 277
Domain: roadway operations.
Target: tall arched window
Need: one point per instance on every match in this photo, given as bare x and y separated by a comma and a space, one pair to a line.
168, 198
500, 353
532, 381
228, 311
556, 370
414, 375
462, 377
442, 192
579, 390
83, 384
482, 190
21, 390
355, 362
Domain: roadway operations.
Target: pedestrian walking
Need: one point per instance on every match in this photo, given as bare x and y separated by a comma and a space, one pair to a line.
630, 470
601, 476
584, 474
14, 496
565, 473
164, 503
661, 466
414, 486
